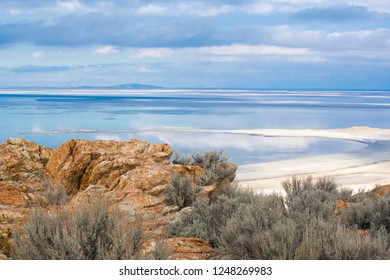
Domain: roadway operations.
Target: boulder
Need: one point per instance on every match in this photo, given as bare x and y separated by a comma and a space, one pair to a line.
80, 163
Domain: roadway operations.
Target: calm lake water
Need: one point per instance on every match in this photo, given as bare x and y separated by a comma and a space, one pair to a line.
24, 113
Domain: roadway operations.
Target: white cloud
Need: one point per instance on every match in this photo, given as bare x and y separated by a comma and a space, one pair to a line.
182, 8
54, 54
69, 6
381, 6
15, 12
241, 49
221, 59
146, 70
202, 9
151, 53
151, 9
106, 50
38, 54
259, 8
279, 6
228, 53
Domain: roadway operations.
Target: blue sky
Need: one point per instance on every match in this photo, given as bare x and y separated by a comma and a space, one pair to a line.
279, 44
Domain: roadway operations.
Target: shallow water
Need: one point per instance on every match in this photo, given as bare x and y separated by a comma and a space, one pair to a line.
41, 111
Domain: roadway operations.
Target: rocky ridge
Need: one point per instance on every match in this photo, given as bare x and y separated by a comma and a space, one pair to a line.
132, 175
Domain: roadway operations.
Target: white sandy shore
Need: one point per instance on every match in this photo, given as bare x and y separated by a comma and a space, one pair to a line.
361, 169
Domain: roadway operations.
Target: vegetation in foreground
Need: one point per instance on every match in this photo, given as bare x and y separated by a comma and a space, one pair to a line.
305, 224
91, 231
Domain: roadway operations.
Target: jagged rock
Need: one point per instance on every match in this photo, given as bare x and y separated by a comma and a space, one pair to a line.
80, 163
21, 165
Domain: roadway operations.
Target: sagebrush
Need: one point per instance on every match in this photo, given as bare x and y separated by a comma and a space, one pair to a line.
181, 192
91, 231
301, 225
213, 163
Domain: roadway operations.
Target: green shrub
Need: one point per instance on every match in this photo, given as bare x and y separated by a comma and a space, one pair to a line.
88, 232
181, 191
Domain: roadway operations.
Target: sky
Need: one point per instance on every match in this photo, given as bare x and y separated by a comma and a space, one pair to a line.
280, 44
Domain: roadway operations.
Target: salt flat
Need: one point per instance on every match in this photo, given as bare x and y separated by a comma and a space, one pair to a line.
356, 170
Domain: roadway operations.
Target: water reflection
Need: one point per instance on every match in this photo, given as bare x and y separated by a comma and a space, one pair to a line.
242, 148
222, 110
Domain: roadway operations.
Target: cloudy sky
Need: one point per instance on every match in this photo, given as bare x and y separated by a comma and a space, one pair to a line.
282, 44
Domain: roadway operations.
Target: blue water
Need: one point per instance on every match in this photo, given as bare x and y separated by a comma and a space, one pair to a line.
39, 111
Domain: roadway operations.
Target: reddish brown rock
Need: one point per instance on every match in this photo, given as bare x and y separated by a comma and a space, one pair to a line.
12, 196
21, 164
80, 163
185, 248
187, 170
382, 190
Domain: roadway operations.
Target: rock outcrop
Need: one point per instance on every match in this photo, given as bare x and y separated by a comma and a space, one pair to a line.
80, 163
22, 165
132, 175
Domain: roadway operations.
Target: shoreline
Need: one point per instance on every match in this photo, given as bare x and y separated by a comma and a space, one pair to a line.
353, 170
